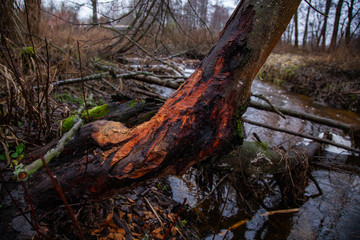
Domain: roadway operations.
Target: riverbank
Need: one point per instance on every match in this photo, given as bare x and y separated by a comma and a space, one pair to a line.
327, 78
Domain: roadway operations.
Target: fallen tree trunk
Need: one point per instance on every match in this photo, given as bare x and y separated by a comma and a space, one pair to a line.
197, 122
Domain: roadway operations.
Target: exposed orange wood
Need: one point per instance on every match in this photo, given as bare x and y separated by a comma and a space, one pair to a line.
197, 121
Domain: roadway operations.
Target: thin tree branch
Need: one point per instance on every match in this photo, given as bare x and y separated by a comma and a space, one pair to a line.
192, 8
316, 9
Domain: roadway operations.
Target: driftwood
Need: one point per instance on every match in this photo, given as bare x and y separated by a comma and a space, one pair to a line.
198, 121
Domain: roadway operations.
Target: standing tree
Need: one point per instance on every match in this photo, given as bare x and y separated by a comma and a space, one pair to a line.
203, 9
349, 21
94, 12
200, 120
296, 29
336, 25
306, 25
33, 15
322, 35
218, 17
7, 18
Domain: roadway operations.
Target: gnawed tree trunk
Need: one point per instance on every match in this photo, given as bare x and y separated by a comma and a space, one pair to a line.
198, 121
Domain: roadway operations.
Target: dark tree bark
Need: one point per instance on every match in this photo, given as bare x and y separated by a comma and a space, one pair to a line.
34, 15
306, 25
94, 12
198, 121
348, 25
296, 29
336, 25
6, 18
322, 36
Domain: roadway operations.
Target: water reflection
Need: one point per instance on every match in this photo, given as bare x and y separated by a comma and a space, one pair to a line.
333, 215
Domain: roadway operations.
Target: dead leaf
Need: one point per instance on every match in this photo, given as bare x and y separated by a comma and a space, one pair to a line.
158, 233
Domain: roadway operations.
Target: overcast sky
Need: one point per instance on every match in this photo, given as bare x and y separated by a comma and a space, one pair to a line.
86, 11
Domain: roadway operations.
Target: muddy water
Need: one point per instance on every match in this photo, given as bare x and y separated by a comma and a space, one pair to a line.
230, 213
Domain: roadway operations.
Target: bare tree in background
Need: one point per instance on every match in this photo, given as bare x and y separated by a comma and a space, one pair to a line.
219, 17
296, 29
94, 12
349, 21
322, 36
33, 14
336, 25
306, 25
7, 15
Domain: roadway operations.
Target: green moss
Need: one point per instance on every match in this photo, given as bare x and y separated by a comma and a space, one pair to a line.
27, 51
97, 112
132, 103
67, 124
239, 125
94, 113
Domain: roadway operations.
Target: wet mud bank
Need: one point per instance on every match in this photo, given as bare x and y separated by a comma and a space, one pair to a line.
327, 80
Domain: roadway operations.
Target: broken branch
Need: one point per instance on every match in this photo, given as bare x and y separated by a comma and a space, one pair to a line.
23, 172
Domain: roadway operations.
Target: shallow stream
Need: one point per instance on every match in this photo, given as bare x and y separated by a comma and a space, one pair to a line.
335, 214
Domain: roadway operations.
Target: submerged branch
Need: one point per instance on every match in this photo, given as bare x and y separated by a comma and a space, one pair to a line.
303, 115
302, 135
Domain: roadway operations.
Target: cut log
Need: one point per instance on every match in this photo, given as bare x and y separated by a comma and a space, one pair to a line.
197, 122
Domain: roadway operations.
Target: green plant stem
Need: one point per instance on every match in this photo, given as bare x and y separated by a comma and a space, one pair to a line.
23, 172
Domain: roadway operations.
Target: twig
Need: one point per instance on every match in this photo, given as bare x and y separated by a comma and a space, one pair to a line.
222, 210
148, 93
36, 224
302, 135
242, 222
154, 211
272, 106
202, 20
315, 182
210, 193
82, 82
23, 172
141, 76
176, 218
59, 190
7, 155
47, 84
14, 201
316, 9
